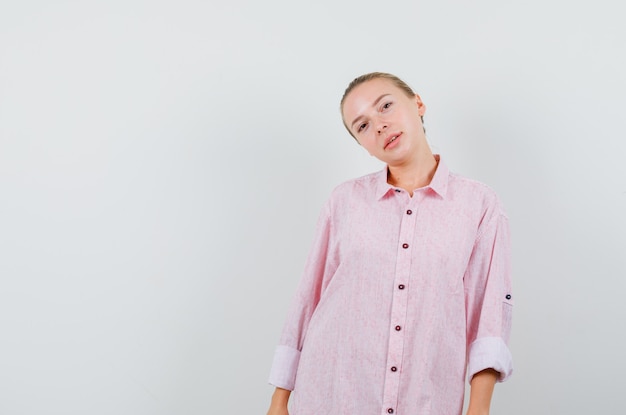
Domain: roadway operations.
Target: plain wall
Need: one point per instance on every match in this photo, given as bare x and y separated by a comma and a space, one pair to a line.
163, 163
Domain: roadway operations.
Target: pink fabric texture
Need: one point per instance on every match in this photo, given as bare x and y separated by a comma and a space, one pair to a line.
401, 298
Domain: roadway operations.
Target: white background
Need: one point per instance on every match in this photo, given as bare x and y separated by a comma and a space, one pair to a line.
163, 163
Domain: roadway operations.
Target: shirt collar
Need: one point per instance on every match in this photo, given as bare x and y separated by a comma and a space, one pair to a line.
439, 182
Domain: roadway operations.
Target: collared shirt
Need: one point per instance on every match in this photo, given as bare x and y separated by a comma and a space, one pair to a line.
401, 298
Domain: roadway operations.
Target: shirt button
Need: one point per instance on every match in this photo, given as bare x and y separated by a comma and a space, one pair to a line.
405, 246
390, 411
398, 328
401, 286
393, 368
409, 212
508, 296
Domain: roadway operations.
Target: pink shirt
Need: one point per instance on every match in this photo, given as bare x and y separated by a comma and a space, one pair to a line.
400, 299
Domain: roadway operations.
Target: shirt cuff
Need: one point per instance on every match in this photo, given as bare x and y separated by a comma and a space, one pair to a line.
490, 353
284, 367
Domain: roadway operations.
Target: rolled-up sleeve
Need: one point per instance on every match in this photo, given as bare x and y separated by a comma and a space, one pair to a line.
284, 367
489, 298
318, 269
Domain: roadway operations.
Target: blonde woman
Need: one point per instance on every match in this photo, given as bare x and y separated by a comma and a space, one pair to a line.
407, 290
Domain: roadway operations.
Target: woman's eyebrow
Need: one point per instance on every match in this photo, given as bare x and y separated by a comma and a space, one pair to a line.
373, 105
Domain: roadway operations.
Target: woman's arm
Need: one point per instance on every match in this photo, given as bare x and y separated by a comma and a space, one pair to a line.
279, 402
482, 384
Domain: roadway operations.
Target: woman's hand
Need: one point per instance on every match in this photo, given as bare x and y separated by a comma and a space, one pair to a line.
277, 411
480, 392
279, 402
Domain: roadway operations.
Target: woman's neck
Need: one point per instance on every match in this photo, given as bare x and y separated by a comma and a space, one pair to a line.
413, 175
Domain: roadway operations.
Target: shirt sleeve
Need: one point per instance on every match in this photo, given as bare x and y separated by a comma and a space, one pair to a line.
318, 270
489, 299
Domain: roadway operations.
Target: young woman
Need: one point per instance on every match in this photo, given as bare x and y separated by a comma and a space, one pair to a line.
406, 291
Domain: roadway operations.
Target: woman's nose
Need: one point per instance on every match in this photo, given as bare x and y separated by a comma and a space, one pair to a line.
382, 126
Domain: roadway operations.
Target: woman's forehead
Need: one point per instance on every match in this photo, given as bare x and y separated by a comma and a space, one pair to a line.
368, 93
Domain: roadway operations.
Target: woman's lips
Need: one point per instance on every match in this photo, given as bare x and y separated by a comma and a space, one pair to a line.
391, 140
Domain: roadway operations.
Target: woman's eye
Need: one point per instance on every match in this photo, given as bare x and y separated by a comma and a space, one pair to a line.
387, 105
362, 127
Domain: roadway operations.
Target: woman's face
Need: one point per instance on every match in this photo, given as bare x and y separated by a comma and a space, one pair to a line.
385, 121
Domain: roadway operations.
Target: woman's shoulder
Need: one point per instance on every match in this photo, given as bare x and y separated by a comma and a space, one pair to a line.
471, 191
460, 182
362, 182
359, 188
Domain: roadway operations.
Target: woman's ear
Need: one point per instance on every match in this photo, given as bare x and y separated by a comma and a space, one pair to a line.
421, 107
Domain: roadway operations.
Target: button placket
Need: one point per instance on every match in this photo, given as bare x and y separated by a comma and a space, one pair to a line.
399, 307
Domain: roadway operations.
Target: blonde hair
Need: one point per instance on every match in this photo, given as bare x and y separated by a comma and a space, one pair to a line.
404, 87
